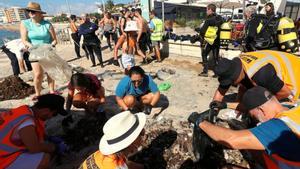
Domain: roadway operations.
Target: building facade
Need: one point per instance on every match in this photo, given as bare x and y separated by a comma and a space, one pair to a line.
13, 14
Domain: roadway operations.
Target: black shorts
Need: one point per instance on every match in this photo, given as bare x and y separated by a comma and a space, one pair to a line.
143, 42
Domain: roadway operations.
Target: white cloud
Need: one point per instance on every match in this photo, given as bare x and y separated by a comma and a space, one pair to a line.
76, 8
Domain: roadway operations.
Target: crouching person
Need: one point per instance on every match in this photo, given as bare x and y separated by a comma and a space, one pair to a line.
278, 133
123, 135
85, 91
22, 134
137, 87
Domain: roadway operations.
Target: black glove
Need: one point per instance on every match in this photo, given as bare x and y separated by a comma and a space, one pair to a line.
147, 109
217, 105
197, 118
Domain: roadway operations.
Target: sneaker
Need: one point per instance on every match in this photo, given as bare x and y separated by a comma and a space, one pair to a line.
203, 74
115, 62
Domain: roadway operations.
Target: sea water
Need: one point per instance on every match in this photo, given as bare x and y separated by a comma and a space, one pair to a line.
6, 36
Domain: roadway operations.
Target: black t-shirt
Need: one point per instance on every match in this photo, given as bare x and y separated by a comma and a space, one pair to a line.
265, 77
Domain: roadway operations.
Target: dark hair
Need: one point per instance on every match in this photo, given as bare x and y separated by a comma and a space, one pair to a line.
136, 70
213, 7
73, 17
153, 12
52, 101
81, 80
139, 10
270, 4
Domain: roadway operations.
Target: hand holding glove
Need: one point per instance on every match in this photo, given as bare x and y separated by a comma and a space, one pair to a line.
197, 118
60, 146
217, 105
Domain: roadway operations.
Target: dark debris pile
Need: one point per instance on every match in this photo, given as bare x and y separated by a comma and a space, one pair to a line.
13, 87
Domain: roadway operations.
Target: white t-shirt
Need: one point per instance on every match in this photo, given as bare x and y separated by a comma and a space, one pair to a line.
16, 46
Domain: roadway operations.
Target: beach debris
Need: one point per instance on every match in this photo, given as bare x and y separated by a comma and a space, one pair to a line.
13, 87
165, 73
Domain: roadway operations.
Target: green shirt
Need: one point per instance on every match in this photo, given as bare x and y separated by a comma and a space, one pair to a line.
38, 33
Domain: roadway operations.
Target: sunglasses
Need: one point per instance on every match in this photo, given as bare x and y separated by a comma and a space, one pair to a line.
33, 12
137, 81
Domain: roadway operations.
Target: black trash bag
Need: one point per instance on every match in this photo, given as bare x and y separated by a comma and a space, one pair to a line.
201, 141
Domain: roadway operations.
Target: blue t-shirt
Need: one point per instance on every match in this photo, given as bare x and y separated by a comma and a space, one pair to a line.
38, 33
126, 87
279, 139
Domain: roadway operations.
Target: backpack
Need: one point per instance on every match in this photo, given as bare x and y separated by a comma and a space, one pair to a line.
266, 37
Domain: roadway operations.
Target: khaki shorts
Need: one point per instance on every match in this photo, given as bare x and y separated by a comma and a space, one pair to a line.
155, 43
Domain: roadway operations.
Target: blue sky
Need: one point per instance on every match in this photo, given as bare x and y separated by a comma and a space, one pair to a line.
55, 6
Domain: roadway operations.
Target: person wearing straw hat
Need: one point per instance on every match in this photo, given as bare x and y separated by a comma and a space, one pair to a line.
127, 42
37, 31
123, 135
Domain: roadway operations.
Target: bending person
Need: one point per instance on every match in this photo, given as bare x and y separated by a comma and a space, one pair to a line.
137, 87
277, 135
85, 91
23, 134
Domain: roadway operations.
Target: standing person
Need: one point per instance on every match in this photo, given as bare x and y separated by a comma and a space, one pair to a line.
124, 19
277, 137
211, 33
116, 33
127, 42
37, 31
91, 41
75, 36
142, 34
123, 135
109, 27
136, 88
23, 134
157, 30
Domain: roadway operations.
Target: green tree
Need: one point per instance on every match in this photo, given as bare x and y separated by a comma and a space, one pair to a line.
109, 5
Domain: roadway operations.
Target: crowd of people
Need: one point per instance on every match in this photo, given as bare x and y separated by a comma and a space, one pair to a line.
268, 81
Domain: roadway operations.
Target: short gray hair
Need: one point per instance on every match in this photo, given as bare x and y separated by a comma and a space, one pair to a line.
250, 9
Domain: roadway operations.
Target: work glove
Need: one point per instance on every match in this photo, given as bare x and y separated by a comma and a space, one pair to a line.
217, 105
147, 109
197, 118
60, 146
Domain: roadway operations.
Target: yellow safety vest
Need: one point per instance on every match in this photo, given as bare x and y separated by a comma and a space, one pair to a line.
98, 160
287, 67
292, 119
157, 33
211, 34
225, 32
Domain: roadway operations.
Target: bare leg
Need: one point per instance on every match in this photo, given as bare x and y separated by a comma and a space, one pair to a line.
147, 99
51, 84
129, 100
157, 52
38, 77
21, 65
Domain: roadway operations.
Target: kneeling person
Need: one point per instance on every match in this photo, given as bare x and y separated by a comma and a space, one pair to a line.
137, 86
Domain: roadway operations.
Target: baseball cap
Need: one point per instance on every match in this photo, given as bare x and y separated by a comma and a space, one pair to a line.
53, 102
256, 97
228, 70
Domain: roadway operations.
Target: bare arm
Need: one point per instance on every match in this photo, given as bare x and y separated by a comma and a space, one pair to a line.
155, 99
101, 23
236, 139
53, 36
219, 94
284, 92
24, 36
121, 103
122, 25
29, 138
141, 27
101, 94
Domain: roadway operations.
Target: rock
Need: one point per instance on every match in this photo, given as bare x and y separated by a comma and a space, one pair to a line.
165, 73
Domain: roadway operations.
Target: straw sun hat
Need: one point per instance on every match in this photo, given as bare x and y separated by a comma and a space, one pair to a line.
120, 131
33, 6
131, 26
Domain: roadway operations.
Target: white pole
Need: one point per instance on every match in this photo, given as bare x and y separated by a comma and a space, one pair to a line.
244, 7
68, 6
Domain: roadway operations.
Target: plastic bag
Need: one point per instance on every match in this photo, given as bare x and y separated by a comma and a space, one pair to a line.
56, 67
